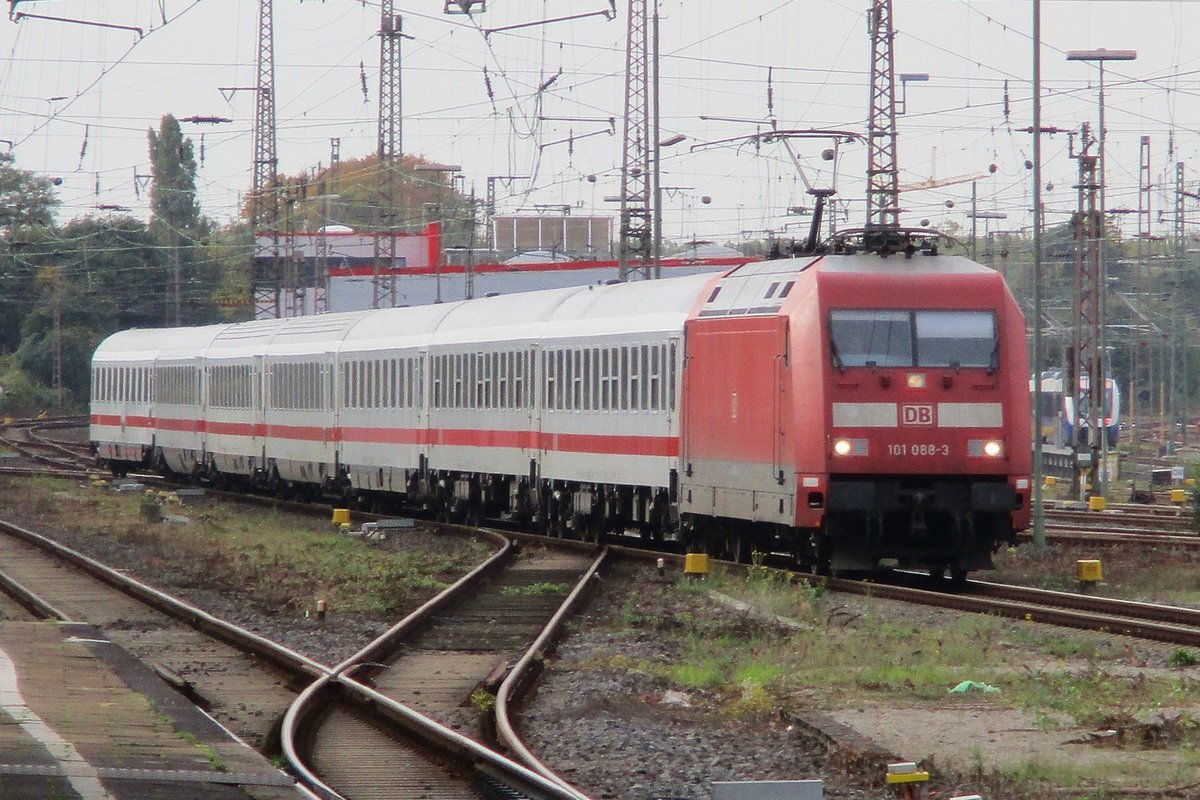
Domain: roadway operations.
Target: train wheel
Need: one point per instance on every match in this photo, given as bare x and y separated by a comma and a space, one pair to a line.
958, 576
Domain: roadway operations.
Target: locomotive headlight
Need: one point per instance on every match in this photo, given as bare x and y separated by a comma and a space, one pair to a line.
850, 447
991, 448
916, 380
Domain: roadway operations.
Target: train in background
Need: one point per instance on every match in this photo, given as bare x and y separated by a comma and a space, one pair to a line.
854, 408
1056, 410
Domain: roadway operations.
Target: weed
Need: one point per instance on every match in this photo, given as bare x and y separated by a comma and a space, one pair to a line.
212, 757
277, 560
483, 701
537, 589
1181, 657
703, 674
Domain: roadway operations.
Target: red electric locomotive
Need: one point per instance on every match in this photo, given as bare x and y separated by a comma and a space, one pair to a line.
856, 409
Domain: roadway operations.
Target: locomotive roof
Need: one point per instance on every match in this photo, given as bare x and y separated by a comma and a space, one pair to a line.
897, 263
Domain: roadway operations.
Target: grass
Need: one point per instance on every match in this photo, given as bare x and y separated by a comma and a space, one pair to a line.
537, 589
737, 664
276, 561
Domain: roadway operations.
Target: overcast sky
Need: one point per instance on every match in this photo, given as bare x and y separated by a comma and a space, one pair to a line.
76, 100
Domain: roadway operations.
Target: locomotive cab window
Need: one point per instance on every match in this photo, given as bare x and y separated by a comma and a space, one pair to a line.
956, 339
871, 338
894, 338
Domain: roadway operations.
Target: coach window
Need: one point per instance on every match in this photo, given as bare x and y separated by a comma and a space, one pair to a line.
594, 379
956, 339
520, 363
562, 364
880, 338
626, 379
655, 378
441, 380
635, 378
416, 387
604, 384
380, 383
671, 377
390, 377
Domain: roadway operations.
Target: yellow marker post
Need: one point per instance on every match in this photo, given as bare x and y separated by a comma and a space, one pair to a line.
1089, 571
911, 782
695, 565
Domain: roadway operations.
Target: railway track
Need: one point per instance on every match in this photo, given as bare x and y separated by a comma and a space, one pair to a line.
1170, 624
242, 679
42, 453
247, 682
421, 672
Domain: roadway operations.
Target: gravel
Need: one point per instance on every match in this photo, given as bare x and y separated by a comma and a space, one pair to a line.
615, 732
627, 734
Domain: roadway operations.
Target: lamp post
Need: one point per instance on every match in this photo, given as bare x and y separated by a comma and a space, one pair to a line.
1039, 511
1100, 56
905, 78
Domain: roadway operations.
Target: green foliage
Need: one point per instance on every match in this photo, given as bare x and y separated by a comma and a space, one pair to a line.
173, 189
26, 198
427, 195
483, 701
537, 589
21, 394
277, 562
1182, 657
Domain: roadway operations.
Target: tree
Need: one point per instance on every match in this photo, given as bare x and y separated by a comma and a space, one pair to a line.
26, 198
27, 206
174, 213
350, 195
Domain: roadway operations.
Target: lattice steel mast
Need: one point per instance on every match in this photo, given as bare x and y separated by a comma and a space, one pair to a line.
883, 185
265, 273
1139, 281
1086, 332
390, 154
635, 247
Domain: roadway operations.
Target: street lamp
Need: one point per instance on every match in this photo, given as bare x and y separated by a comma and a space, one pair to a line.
905, 78
1100, 56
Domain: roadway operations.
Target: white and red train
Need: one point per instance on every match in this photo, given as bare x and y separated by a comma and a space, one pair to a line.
849, 409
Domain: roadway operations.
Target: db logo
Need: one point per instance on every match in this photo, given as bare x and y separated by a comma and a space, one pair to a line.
916, 415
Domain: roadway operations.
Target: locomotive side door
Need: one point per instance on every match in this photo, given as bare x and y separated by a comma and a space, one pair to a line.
735, 406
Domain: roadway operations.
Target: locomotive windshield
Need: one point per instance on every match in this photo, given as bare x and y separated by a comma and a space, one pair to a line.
890, 338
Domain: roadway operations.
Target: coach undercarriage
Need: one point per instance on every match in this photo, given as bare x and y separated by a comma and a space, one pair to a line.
568, 509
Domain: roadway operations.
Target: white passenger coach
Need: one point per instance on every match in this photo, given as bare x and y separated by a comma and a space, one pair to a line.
472, 407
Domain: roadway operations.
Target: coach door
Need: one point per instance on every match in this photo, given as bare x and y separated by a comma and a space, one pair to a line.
734, 423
